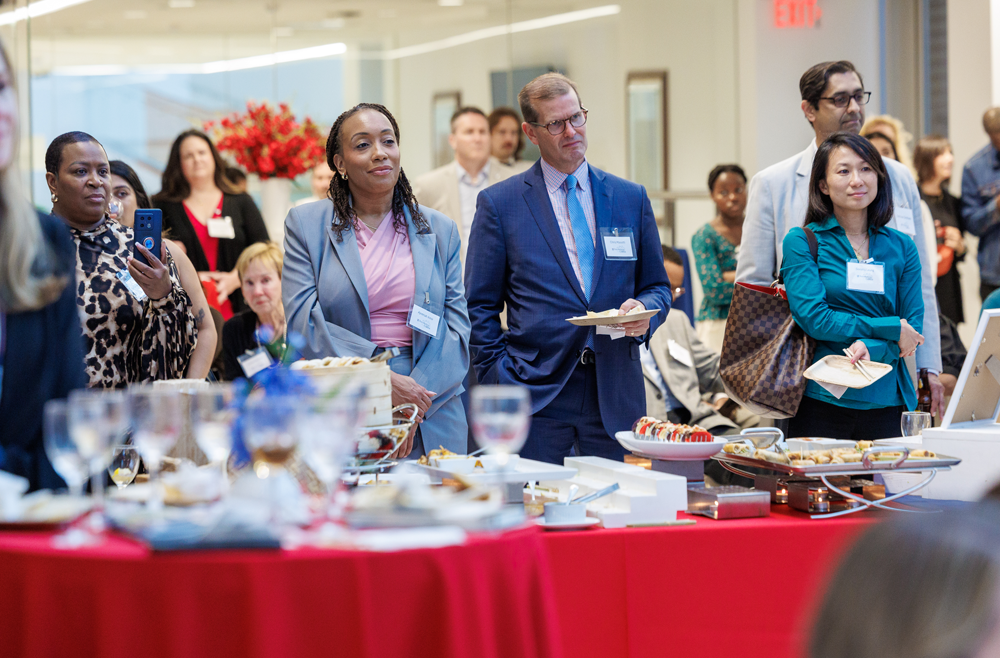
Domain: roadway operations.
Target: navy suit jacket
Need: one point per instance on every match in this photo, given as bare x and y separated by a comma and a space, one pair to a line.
44, 361
517, 256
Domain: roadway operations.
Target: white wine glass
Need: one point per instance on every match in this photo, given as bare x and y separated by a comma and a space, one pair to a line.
212, 417
124, 465
155, 416
97, 420
501, 417
68, 463
913, 423
328, 430
271, 433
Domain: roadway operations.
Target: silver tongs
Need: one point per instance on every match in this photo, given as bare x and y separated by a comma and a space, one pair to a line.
861, 367
595, 495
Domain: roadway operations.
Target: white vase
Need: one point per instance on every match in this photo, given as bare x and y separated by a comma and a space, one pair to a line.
275, 201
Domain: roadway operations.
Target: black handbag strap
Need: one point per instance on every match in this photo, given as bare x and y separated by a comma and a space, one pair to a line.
813, 249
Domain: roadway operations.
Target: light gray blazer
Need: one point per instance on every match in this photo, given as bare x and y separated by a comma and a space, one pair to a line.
686, 383
325, 295
777, 202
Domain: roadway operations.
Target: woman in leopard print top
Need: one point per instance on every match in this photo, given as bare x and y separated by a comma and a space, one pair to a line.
128, 340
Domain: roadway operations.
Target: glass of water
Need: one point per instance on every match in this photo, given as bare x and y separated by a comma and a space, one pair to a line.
72, 466
913, 423
155, 415
501, 416
97, 421
212, 416
124, 465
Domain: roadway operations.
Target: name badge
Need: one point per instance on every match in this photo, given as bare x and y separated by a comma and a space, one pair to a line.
132, 286
423, 320
868, 276
221, 227
680, 353
904, 220
619, 244
254, 361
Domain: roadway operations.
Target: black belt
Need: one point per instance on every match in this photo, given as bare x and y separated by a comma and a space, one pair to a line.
588, 357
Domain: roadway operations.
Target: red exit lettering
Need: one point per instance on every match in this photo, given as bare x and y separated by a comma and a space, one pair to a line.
796, 13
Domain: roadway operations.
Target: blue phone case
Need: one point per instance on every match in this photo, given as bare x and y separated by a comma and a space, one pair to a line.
148, 230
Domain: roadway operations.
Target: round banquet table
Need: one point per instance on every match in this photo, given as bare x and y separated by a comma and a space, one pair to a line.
490, 597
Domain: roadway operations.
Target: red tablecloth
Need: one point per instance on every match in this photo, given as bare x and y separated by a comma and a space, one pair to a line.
489, 598
741, 588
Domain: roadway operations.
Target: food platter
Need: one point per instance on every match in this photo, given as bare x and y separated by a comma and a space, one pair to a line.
606, 320
671, 450
911, 465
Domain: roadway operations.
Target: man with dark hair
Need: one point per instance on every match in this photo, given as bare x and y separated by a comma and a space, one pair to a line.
833, 100
981, 203
554, 242
507, 138
453, 188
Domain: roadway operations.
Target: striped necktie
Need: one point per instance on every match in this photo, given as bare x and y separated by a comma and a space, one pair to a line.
584, 243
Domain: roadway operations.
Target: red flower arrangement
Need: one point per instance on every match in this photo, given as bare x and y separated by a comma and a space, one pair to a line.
269, 143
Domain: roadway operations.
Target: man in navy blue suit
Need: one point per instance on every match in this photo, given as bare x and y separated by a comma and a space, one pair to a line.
554, 242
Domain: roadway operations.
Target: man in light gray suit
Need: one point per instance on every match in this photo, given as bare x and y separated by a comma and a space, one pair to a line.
682, 373
833, 99
453, 188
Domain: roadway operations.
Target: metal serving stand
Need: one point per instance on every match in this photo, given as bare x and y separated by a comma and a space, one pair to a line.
824, 472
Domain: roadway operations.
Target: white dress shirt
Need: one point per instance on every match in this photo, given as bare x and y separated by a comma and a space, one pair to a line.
554, 183
468, 190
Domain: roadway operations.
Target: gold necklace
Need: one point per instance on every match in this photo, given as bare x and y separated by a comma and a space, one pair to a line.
856, 250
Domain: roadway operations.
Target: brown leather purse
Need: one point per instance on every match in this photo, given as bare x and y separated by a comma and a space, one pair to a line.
764, 353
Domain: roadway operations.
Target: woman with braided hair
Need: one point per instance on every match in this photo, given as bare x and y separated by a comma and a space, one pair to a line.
367, 269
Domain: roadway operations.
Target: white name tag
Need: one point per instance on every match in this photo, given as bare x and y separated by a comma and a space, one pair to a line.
904, 220
423, 321
221, 227
255, 361
866, 277
680, 353
619, 244
132, 286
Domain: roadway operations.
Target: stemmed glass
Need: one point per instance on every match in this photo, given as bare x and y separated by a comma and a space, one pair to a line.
913, 423
212, 417
501, 416
271, 433
68, 463
124, 465
327, 438
155, 414
96, 420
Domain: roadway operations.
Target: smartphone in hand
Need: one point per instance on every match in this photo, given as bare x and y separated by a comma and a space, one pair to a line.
148, 231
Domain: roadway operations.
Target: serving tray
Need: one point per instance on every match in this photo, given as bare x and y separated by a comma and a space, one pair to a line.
911, 465
585, 321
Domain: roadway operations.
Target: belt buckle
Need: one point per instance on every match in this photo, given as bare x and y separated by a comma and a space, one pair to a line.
587, 357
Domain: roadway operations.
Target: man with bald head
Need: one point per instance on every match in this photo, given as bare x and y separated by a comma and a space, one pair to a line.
981, 203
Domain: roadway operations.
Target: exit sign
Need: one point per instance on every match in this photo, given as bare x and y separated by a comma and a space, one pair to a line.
796, 13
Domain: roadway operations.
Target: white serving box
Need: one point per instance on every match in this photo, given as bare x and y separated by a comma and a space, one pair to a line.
969, 430
644, 497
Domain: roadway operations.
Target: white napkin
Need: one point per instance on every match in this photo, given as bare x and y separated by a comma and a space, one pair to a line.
12, 487
836, 390
610, 330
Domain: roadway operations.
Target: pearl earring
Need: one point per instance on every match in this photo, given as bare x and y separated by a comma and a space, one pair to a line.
55, 198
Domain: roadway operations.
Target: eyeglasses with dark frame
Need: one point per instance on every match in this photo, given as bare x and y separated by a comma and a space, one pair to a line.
844, 99
558, 126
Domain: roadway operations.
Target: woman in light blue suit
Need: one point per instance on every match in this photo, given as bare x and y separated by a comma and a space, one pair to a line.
367, 269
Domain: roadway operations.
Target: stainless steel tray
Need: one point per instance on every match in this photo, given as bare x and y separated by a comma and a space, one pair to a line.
908, 466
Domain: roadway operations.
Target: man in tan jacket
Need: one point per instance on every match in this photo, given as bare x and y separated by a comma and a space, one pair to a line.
453, 188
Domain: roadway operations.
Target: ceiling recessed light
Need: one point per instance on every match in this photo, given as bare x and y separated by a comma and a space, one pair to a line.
180, 4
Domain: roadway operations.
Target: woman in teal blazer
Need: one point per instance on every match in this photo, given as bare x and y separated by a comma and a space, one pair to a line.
331, 302
862, 292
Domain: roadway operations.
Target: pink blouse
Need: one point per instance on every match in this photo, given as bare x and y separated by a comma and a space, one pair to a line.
388, 265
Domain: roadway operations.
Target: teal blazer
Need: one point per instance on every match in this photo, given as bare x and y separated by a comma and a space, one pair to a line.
836, 317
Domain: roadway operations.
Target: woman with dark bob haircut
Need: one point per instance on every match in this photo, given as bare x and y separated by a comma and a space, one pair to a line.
861, 292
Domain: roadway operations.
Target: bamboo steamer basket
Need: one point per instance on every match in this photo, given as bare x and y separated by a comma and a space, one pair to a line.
374, 377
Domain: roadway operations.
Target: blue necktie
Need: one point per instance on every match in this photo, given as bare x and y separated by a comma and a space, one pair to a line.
584, 242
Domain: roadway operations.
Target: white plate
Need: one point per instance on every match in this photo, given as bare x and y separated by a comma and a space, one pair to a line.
585, 321
677, 452
573, 525
834, 369
525, 470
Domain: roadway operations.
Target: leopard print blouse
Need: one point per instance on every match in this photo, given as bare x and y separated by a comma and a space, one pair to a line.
127, 341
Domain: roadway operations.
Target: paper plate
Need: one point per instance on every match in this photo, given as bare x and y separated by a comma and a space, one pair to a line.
584, 321
834, 369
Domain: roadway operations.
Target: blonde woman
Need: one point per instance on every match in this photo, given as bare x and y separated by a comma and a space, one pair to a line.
259, 268
891, 127
41, 344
